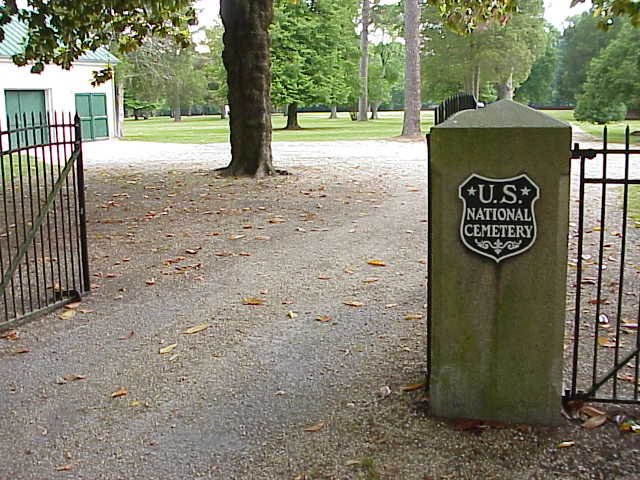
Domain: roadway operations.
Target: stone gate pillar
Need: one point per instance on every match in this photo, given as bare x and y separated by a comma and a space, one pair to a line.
498, 205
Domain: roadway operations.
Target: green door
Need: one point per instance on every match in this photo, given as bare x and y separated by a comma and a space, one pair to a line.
26, 108
92, 110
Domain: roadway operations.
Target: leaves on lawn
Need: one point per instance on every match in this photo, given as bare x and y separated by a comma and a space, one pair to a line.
377, 263
252, 301
121, 392
196, 329
411, 387
353, 303
167, 349
323, 318
315, 428
11, 335
67, 314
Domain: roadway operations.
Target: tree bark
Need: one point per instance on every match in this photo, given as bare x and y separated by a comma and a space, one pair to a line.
334, 112
246, 58
177, 112
119, 126
292, 117
363, 101
505, 89
374, 111
412, 97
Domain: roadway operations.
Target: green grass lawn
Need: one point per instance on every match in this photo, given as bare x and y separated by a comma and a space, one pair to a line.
315, 127
615, 131
318, 127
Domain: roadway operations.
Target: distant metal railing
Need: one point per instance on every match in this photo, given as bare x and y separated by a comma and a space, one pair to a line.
43, 238
454, 104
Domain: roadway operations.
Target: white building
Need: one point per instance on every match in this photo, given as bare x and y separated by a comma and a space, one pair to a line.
23, 93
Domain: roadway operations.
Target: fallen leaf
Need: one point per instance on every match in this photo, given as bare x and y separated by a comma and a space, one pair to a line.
595, 422
314, 428
353, 303
606, 342
384, 392
192, 251
377, 263
121, 392
128, 336
370, 280
150, 282
291, 314
20, 351
72, 377
351, 463
391, 305
323, 318
236, 237
566, 444
414, 316
167, 349
411, 387
196, 329
252, 301
11, 335
72, 305
324, 277
262, 237
67, 315
64, 468
277, 220
591, 411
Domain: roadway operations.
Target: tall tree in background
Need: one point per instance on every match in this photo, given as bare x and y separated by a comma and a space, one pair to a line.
313, 46
499, 54
214, 70
581, 42
385, 72
412, 98
363, 100
613, 80
539, 87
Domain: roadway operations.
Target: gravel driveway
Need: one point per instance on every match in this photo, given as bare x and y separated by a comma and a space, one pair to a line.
299, 334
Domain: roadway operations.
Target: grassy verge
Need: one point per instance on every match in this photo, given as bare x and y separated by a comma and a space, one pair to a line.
615, 132
315, 127
634, 202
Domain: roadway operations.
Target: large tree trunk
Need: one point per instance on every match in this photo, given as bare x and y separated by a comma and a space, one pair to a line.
505, 89
177, 111
363, 101
334, 112
374, 111
292, 117
412, 97
246, 59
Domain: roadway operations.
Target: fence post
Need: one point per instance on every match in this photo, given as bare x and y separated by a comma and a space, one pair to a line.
498, 203
84, 250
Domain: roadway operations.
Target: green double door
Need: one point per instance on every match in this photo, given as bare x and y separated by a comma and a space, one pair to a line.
26, 108
92, 110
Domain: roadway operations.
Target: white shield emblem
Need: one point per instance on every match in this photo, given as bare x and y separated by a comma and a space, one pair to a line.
498, 218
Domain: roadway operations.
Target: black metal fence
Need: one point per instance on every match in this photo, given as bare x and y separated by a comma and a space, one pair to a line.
603, 345
43, 241
454, 104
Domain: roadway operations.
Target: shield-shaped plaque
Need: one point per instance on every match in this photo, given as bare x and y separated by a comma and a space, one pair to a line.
498, 219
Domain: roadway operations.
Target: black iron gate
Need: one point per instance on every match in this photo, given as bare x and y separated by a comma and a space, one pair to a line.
603, 339
43, 241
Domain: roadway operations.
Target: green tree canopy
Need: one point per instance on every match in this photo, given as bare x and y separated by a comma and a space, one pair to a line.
314, 52
613, 80
538, 88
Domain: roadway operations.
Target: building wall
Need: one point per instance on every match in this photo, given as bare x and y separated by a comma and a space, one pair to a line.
60, 87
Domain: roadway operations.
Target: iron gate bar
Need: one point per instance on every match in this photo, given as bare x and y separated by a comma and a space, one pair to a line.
22, 248
620, 359
34, 151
